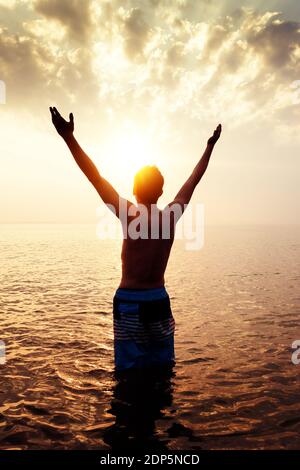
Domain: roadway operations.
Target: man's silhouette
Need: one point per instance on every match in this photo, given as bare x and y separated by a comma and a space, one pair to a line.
143, 322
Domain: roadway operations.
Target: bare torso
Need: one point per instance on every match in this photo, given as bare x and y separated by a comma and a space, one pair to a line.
144, 261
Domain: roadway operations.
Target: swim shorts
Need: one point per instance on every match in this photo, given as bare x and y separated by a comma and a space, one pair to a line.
143, 328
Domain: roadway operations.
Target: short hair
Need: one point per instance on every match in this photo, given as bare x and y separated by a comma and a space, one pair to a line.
148, 184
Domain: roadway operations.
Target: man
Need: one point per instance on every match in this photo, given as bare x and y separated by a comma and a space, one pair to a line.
143, 322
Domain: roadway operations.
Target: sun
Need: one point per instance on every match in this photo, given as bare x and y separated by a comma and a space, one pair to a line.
131, 149
124, 151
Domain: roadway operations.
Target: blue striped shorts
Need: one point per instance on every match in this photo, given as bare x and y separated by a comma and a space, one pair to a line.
143, 328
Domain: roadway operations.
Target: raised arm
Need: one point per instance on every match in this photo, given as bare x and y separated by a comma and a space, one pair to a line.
184, 195
106, 191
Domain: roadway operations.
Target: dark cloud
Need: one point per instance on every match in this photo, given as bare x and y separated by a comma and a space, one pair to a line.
274, 44
74, 15
216, 36
175, 54
195, 11
22, 63
276, 41
261, 50
136, 32
35, 76
272, 40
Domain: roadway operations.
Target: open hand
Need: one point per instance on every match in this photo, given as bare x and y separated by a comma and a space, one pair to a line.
216, 135
63, 127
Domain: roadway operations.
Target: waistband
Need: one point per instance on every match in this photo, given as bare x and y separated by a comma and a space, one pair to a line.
141, 294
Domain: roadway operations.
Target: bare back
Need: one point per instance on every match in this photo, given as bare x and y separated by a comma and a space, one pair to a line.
144, 260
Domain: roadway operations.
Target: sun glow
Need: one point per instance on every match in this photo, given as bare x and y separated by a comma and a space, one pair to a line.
131, 149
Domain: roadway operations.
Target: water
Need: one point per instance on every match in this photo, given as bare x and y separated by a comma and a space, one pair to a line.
236, 306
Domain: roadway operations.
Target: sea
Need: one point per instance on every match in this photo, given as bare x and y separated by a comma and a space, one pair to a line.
236, 381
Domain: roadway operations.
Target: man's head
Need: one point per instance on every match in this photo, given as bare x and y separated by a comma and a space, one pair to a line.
148, 185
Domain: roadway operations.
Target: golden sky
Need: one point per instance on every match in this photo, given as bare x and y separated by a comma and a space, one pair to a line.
148, 81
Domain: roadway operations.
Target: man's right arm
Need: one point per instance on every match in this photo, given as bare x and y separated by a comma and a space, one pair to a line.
106, 191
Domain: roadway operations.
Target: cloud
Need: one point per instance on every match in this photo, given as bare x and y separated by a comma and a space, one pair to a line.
253, 59
276, 42
74, 15
38, 74
22, 64
136, 32
149, 59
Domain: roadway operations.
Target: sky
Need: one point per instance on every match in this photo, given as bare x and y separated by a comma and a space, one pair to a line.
148, 81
